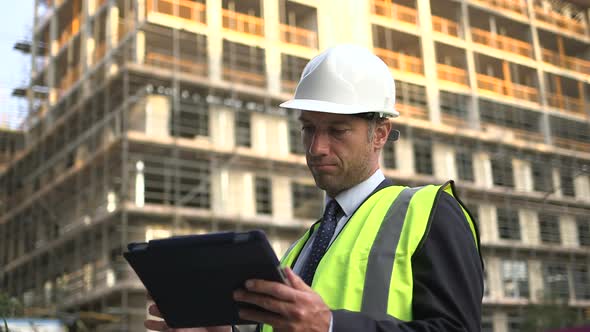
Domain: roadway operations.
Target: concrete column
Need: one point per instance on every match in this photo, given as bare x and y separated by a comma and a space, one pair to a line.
221, 122
112, 31
273, 45
444, 161
494, 267
404, 154
220, 189
282, 209
259, 134
493, 27
89, 51
523, 177
248, 195
582, 187
235, 193
85, 35
429, 59
474, 118
569, 231
500, 321
141, 9
535, 280
276, 136
214, 39
556, 182
112, 27
538, 55
157, 116
529, 226
140, 47
91, 6
483, 169
51, 68
488, 223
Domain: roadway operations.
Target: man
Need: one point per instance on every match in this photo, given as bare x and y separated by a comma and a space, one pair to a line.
383, 257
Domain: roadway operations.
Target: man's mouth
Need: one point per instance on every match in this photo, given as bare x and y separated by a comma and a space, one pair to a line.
323, 167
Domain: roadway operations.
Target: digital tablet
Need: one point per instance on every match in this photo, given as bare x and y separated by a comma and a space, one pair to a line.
192, 278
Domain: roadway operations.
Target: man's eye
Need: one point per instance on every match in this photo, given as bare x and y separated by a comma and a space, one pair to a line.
307, 129
338, 132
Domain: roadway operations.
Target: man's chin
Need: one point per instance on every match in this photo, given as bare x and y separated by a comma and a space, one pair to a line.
326, 182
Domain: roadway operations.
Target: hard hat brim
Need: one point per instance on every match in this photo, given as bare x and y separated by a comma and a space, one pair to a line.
329, 107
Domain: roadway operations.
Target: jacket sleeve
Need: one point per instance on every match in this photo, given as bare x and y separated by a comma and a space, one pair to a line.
448, 281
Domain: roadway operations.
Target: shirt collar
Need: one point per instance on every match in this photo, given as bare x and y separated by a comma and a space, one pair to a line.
350, 199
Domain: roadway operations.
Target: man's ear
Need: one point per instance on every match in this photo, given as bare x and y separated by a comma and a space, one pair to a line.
381, 133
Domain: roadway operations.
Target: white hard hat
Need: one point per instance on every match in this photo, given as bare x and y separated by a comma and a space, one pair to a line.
345, 79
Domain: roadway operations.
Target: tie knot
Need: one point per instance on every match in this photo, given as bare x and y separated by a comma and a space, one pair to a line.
331, 212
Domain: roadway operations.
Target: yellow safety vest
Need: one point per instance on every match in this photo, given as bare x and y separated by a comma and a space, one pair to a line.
368, 267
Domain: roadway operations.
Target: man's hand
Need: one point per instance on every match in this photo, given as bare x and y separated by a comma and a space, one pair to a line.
293, 308
160, 325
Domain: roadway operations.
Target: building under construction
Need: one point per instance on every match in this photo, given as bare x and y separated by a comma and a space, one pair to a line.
150, 118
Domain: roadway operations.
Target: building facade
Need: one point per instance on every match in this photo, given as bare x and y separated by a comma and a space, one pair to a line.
151, 118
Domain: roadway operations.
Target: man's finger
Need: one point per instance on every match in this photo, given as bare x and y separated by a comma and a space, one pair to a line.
156, 325
274, 289
295, 281
154, 311
267, 302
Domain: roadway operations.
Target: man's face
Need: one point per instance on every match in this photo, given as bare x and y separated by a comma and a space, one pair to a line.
338, 151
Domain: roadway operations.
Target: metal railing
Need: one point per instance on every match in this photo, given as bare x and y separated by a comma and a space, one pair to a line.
453, 120
288, 86
567, 62
242, 22
515, 6
412, 111
566, 103
244, 77
298, 36
500, 42
571, 144
559, 21
400, 61
513, 133
169, 61
502, 87
452, 74
188, 10
395, 11
445, 26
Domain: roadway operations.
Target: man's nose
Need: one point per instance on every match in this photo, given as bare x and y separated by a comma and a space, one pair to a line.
320, 144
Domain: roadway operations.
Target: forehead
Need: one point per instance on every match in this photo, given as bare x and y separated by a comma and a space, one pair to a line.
328, 118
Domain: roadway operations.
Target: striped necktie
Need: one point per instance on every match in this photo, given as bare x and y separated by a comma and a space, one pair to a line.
321, 241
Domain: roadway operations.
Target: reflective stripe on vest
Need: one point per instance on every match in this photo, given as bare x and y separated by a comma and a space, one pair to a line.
368, 267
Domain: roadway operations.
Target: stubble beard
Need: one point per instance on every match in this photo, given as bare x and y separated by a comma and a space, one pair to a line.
335, 183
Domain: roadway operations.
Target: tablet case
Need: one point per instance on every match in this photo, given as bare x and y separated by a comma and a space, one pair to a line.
192, 278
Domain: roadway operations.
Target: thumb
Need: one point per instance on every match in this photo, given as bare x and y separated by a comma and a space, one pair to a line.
295, 281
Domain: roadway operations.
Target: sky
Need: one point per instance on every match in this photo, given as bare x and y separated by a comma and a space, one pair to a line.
16, 22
